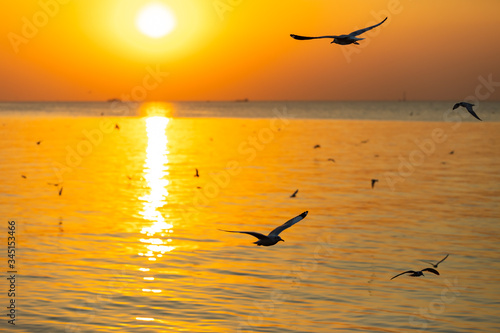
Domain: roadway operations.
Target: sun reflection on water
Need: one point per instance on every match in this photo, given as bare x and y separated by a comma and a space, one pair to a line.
155, 171
156, 175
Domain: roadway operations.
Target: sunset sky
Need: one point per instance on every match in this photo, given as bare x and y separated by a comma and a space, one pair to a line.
85, 50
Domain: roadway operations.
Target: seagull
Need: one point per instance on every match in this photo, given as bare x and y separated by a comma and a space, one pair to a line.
53, 184
60, 191
273, 237
418, 273
23, 176
294, 194
468, 106
317, 146
342, 39
452, 152
436, 265
331, 159
117, 127
38, 142
197, 174
373, 182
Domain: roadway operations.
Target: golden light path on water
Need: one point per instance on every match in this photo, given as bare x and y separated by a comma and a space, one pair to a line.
156, 235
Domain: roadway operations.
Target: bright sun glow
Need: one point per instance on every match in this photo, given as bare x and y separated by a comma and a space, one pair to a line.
155, 20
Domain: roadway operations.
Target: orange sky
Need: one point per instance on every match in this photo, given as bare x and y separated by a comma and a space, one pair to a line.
91, 50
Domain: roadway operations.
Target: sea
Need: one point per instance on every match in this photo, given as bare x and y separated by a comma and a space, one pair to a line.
112, 217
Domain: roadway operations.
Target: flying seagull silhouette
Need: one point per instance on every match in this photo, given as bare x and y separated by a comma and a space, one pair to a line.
342, 39
273, 237
373, 182
197, 174
436, 264
468, 106
418, 273
294, 194
331, 159
60, 191
317, 146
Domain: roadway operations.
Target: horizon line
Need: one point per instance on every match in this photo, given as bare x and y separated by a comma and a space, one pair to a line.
240, 101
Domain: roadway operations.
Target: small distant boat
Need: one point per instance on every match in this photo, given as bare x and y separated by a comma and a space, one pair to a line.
111, 100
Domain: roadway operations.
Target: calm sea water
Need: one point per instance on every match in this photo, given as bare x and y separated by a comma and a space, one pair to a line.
132, 243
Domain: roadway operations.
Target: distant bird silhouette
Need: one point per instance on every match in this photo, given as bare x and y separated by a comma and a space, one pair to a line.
60, 224
452, 152
418, 273
365, 141
24, 176
60, 191
436, 264
373, 182
345, 39
117, 127
273, 237
317, 146
331, 159
468, 106
197, 174
53, 184
294, 194
38, 142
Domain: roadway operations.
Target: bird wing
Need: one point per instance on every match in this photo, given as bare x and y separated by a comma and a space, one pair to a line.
427, 262
402, 274
255, 234
432, 270
306, 38
443, 259
360, 31
287, 224
469, 108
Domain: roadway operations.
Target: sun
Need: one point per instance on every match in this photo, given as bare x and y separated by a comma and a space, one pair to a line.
155, 20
